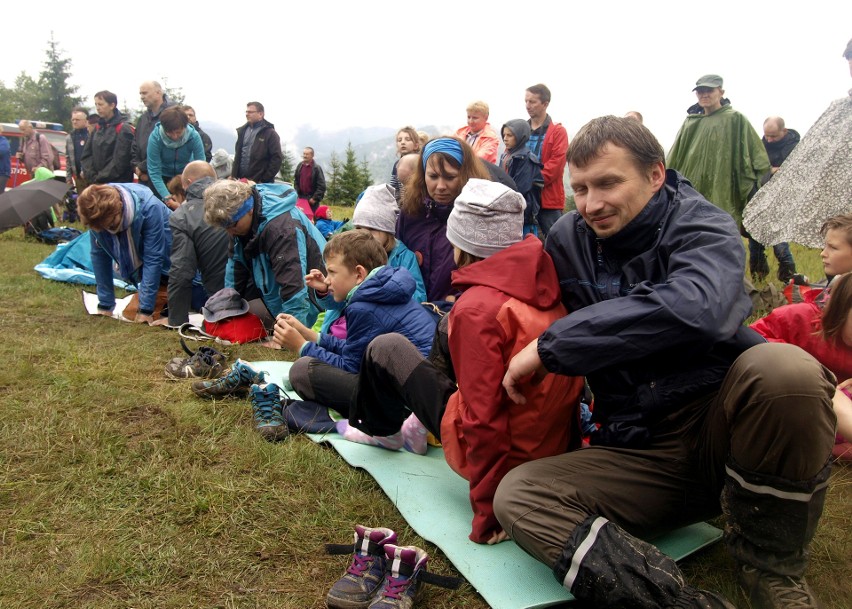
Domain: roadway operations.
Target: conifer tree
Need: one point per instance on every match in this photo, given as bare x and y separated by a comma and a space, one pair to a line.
351, 179
288, 164
58, 97
333, 192
366, 178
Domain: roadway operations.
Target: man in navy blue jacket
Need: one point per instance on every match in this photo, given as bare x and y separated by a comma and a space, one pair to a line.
696, 415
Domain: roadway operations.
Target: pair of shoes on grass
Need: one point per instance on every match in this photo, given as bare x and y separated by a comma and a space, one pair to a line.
204, 363
243, 381
382, 575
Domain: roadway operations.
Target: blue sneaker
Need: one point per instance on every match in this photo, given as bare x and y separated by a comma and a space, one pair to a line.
235, 383
268, 418
357, 587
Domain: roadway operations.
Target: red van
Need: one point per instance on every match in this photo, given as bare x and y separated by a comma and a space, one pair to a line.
55, 136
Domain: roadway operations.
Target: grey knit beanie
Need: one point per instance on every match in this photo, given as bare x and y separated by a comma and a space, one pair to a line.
487, 217
377, 209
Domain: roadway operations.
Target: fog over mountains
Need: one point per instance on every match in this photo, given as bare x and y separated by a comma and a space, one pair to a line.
376, 144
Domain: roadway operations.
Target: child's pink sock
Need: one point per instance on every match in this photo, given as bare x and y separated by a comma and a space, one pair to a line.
352, 434
414, 435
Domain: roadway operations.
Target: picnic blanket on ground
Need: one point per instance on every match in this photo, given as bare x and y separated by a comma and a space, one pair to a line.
434, 501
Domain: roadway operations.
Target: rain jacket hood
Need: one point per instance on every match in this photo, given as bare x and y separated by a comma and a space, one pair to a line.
521, 129
385, 285
722, 156
540, 287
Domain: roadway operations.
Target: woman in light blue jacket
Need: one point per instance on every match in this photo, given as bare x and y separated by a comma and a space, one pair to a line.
173, 144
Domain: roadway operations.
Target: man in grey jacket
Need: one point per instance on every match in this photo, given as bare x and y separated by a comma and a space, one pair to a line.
155, 100
195, 245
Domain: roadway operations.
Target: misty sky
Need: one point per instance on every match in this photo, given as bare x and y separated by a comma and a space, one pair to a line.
339, 64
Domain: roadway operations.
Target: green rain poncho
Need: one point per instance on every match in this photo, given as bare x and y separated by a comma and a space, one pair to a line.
722, 155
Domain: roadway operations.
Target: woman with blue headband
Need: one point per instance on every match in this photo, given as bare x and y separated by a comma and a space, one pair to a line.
446, 164
274, 245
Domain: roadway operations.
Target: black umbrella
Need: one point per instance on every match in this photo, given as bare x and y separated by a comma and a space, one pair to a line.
20, 204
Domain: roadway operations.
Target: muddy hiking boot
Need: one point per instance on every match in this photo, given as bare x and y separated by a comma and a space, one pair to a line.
268, 415
236, 383
770, 591
355, 590
205, 363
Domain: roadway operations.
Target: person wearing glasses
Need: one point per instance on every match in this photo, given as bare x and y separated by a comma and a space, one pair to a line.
257, 156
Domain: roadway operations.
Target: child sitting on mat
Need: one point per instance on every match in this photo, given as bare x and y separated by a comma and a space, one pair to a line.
377, 300
509, 295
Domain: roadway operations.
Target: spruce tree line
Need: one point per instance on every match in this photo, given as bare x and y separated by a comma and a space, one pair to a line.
49, 98
343, 181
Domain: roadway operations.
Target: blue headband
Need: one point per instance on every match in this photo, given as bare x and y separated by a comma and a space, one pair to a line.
447, 145
242, 211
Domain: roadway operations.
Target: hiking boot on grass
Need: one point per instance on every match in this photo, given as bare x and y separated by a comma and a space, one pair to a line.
770, 591
358, 586
205, 363
405, 565
236, 383
268, 417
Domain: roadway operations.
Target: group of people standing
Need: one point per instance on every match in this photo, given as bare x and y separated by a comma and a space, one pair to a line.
639, 292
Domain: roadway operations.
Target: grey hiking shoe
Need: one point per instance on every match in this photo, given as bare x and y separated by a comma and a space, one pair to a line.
770, 591
268, 417
357, 587
205, 363
236, 383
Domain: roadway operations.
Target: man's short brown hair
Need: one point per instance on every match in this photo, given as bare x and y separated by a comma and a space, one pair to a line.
625, 133
356, 247
542, 91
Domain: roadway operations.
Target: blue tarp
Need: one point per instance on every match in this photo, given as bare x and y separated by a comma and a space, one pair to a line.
72, 263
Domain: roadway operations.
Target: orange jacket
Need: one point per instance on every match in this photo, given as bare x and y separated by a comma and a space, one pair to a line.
508, 300
486, 144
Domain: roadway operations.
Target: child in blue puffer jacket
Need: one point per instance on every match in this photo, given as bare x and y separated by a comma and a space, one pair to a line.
377, 300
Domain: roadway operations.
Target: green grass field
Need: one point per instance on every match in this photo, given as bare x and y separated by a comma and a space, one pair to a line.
119, 488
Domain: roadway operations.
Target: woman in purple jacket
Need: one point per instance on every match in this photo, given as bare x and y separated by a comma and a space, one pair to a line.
446, 164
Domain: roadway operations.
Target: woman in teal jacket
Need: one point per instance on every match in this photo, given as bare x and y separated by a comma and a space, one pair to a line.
173, 144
